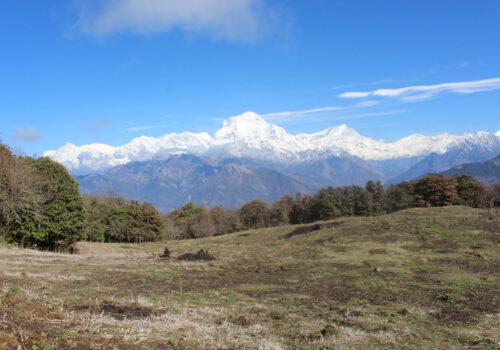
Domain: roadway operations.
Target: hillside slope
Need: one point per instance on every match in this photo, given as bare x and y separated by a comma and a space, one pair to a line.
488, 173
435, 162
417, 279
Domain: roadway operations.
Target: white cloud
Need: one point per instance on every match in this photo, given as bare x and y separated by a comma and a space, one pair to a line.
422, 92
235, 20
354, 94
29, 134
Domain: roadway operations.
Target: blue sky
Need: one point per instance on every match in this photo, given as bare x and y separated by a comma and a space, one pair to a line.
107, 71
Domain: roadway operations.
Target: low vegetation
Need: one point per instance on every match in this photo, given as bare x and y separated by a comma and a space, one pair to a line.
421, 278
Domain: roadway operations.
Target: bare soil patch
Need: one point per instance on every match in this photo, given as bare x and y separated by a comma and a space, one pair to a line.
117, 311
201, 255
475, 264
454, 314
311, 228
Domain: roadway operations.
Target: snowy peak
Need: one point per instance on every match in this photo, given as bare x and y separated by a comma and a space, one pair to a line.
339, 132
247, 126
250, 136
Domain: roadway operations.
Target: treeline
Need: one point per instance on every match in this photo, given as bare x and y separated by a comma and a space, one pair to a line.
329, 203
40, 206
430, 191
113, 219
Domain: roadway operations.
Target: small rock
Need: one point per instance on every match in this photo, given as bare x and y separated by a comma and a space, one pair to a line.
377, 269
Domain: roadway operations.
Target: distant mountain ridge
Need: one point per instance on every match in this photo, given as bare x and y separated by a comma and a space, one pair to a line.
435, 163
172, 182
249, 136
169, 184
488, 173
249, 158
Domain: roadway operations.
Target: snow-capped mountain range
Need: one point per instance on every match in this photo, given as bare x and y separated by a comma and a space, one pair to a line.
249, 136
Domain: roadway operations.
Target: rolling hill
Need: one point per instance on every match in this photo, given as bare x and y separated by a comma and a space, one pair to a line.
488, 173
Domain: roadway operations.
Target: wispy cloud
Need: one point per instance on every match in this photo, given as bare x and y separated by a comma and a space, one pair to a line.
302, 113
144, 127
371, 83
97, 124
367, 103
235, 20
422, 92
296, 113
370, 114
29, 134
464, 64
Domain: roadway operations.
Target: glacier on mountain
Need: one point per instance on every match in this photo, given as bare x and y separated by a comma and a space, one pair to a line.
251, 136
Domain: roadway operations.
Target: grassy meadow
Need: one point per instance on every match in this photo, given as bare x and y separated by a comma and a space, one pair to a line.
416, 279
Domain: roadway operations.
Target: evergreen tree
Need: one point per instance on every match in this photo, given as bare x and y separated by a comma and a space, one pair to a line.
471, 192
377, 197
400, 196
323, 206
361, 202
152, 222
189, 216
64, 214
300, 212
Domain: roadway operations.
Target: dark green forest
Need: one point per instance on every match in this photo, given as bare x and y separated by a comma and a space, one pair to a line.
41, 207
